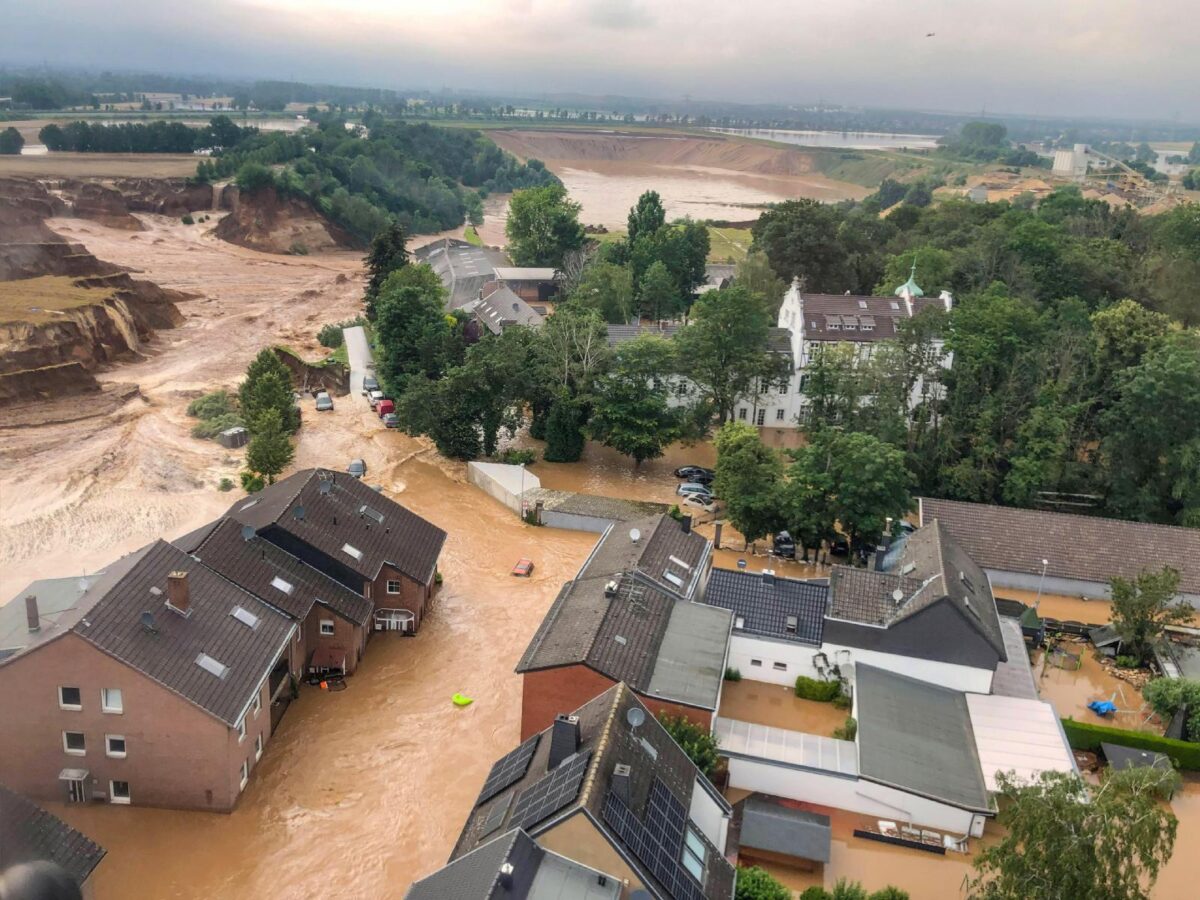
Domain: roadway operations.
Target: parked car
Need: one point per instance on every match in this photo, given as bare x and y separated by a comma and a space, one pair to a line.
523, 568
702, 502
691, 487
784, 545
357, 468
374, 397
370, 383
391, 420
690, 473
324, 401
839, 547
384, 407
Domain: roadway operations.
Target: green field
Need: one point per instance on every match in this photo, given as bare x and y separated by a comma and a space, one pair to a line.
724, 244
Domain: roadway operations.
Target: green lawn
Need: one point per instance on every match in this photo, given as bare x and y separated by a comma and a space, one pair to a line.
471, 236
723, 243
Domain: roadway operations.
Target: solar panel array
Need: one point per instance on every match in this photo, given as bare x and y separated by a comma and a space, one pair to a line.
549, 794
508, 770
658, 841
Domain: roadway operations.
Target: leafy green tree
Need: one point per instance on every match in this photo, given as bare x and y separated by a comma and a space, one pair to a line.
442, 411
749, 477
606, 289
1065, 838
630, 408
890, 193
724, 349
542, 226
1167, 696
800, 239
564, 431
412, 330
387, 253
698, 743
266, 388
270, 450
681, 247
1143, 607
253, 177
658, 296
755, 274
754, 883
646, 217
573, 348
11, 142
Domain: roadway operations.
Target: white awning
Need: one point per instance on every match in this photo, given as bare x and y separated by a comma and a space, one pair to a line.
73, 774
1014, 734
794, 748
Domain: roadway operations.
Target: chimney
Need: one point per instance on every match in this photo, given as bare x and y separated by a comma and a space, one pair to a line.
32, 619
506, 876
564, 739
686, 524
178, 596
620, 783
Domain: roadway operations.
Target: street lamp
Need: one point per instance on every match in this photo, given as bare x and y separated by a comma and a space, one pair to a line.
1041, 581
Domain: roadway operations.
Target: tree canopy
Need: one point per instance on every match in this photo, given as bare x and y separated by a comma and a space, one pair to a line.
543, 226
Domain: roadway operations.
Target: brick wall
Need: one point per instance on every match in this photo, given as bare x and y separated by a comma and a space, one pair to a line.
346, 636
176, 754
413, 595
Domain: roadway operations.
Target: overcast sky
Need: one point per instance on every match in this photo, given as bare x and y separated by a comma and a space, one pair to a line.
1073, 57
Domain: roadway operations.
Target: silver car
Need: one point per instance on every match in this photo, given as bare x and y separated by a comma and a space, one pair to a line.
357, 468
689, 488
324, 402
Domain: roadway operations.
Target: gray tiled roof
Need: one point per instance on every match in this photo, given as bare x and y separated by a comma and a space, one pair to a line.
763, 607
862, 595
334, 519
822, 310
463, 268
502, 308
475, 875
168, 653
619, 334
253, 565
1087, 548
29, 833
605, 733
917, 736
776, 828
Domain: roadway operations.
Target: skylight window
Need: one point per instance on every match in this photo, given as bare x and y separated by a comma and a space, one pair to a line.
244, 616
894, 304
350, 550
679, 562
370, 513
673, 578
246, 506
862, 304
212, 666
739, 623
279, 584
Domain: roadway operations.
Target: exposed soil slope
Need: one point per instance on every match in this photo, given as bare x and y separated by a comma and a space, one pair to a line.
269, 223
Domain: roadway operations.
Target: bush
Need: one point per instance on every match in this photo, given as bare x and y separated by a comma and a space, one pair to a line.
732, 674
1086, 736
754, 883
696, 742
188, 220
252, 482
331, 335
842, 701
225, 485
208, 429
847, 730
1167, 695
517, 457
218, 403
821, 691
1126, 662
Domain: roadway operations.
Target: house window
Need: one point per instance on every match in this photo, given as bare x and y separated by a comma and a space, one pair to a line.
803, 383
241, 729
779, 667
327, 626
74, 743
118, 792
779, 415
245, 774
257, 705
70, 698
258, 747
111, 700
756, 663
761, 418
393, 587
742, 413
694, 854
114, 746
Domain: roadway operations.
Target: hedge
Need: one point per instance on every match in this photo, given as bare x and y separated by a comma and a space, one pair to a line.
811, 689
1086, 736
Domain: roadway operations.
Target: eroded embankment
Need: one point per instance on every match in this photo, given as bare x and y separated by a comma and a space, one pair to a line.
269, 223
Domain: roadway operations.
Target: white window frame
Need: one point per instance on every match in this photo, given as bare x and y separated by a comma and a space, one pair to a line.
117, 710
779, 666
756, 663
74, 707
396, 582
110, 752
112, 792
241, 729
689, 853
257, 704
332, 628
69, 750
258, 746
742, 414
760, 418
245, 774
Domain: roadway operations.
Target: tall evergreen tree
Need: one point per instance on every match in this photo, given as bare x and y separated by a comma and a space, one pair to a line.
267, 388
387, 253
646, 217
270, 450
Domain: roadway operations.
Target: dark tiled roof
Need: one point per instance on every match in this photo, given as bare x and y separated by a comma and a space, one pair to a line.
821, 311
918, 737
606, 735
779, 340
621, 636
861, 595
764, 608
619, 334
503, 308
254, 564
168, 654
475, 875
193, 539
335, 519
1086, 548
29, 833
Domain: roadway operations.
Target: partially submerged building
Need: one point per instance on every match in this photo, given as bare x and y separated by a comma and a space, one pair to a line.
463, 268
31, 834
604, 786
533, 284
631, 615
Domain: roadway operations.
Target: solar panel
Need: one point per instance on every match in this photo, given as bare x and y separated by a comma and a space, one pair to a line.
508, 770
549, 794
658, 841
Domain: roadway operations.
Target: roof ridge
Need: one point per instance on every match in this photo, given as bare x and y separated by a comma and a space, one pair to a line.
601, 744
1066, 515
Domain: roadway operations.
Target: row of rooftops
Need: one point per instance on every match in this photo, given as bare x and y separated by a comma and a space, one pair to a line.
208, 616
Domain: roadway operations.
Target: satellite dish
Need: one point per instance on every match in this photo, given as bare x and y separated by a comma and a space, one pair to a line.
635, 716
298, 512
326, 486
897, 595
247, 532
635, 535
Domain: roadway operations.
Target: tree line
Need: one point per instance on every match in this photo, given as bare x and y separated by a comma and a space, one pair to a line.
143, 137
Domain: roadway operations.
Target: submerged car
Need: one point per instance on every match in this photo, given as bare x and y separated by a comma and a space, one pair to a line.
690, 473
324, 401
523, 568
784, 545
691, 487
357, 468
702, 502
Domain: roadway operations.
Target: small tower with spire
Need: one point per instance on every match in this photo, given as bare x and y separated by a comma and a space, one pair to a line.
910, 290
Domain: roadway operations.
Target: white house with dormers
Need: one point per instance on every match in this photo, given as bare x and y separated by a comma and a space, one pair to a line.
817, 321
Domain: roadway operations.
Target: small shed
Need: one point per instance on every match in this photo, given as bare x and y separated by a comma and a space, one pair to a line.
1121, 757
1106, 639
234, 437
777, 832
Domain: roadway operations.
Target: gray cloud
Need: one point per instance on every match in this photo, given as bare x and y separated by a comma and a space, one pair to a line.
1076, 57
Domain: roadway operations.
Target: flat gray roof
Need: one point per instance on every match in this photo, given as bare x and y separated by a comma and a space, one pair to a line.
1014, 676
691, 659
776, 828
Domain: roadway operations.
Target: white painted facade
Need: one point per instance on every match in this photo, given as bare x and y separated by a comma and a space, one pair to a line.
708, 814
761, 659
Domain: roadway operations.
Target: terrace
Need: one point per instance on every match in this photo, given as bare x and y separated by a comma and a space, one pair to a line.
778, 707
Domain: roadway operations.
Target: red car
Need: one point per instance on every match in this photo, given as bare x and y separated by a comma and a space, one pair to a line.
523, 568
384, 407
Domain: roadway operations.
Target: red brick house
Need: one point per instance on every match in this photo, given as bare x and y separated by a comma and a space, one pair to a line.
156, 682
354, 535
629, 616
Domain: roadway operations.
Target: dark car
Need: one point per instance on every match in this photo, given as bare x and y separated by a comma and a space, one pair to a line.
357, 468
391, 420
694, 473
783, 545
370, 383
